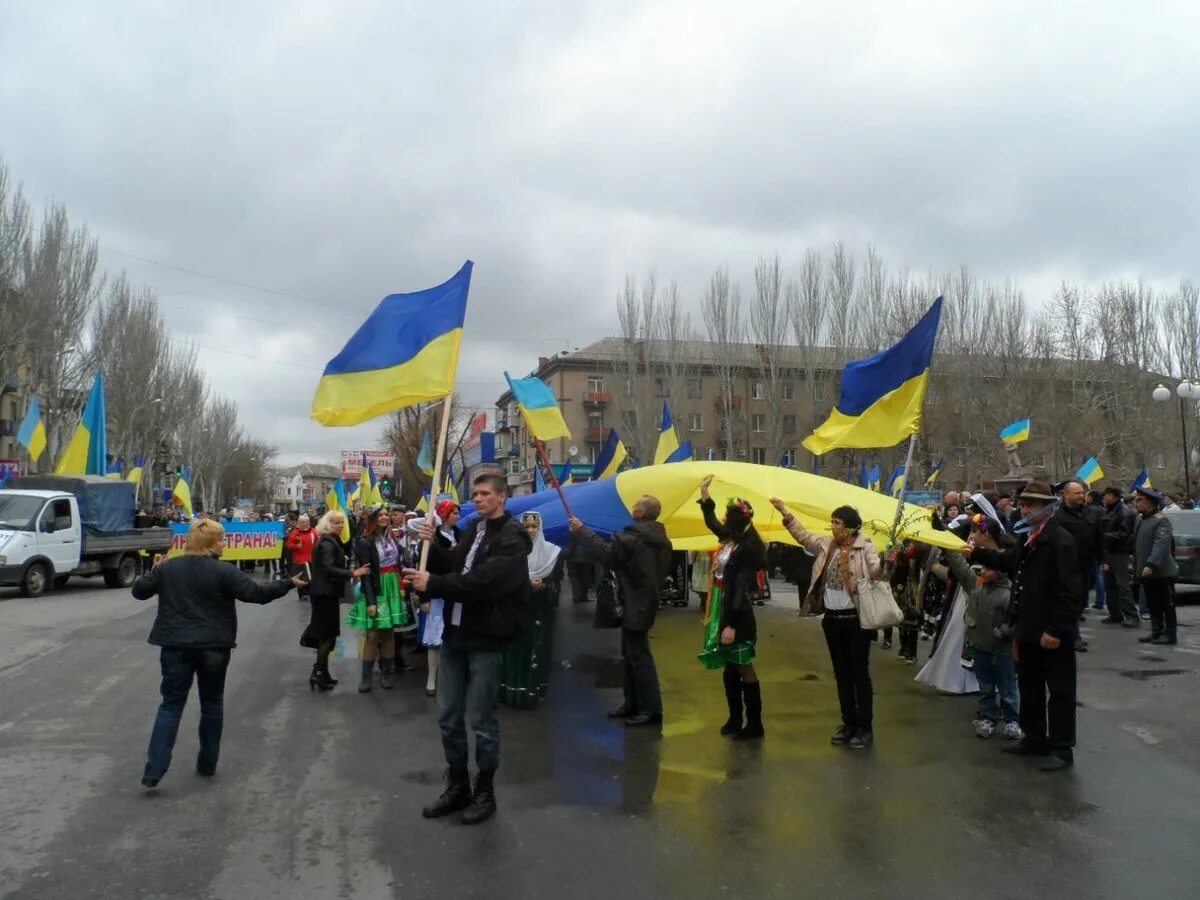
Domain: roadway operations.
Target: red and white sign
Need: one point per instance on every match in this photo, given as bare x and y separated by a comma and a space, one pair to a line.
383, 461
478, 427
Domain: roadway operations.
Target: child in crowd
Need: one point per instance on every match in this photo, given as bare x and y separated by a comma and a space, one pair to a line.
989, 641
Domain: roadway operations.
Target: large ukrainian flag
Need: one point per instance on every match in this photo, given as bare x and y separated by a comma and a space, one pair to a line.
405, 353
881, 396
87, 452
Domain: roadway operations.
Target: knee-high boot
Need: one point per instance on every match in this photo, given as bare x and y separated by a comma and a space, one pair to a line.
754, 725
368, 667
733, 697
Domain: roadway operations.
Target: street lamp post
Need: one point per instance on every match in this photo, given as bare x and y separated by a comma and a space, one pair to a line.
1185, 391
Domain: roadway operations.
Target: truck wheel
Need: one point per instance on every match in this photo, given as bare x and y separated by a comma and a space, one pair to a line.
37, 576
60, 581
122, 576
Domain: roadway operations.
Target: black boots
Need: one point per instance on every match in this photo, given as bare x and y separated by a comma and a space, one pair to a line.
457, 795
364, 685
754, 726
319, 680
1157, 628
733, 697
386, 668
483, 806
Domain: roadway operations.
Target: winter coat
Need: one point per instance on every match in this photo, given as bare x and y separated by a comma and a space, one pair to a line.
367, 554
989, 608
640, 556
864, 564
1045, 577
1120, 523
330, 569
196, 600
494, 595
1086, 527
300, 544
740, 578
1154, 548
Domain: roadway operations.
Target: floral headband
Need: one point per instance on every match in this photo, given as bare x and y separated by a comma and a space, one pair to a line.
739, 504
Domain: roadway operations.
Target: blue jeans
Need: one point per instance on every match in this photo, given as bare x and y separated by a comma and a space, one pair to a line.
1099, 585
179, 665
996, 675
468, 692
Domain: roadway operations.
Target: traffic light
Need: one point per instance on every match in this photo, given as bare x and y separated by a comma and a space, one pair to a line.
385, 487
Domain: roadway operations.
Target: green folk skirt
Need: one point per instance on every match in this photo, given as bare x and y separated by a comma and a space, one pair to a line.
525, 676
716, 655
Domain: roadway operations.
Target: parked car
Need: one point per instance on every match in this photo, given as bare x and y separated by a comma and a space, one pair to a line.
1185, 523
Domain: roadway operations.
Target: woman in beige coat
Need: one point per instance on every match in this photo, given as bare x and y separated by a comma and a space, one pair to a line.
843, 562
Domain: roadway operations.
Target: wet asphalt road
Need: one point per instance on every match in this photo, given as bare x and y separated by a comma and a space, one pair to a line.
319, 795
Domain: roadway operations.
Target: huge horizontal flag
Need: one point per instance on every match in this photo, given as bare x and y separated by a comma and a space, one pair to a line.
87, 453
612, 455
32, 433
539, 409
668, 441
1015, 433
405, 353
880, 400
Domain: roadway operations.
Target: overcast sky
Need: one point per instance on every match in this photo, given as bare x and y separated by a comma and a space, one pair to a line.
334, 152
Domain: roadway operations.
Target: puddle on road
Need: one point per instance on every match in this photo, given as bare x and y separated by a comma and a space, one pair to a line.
1146, 674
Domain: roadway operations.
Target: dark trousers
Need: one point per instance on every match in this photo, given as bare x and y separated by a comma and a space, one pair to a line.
849, 651
1041, 672
1119, 588
179, 666
581, 580
468, 693
641, 676
1162, 607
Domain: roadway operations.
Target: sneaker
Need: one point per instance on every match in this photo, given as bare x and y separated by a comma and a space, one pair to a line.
863, 740
1012, 731
984, 728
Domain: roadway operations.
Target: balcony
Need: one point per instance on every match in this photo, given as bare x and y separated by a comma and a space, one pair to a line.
501, 425
594, 435
735, 402
514, 450
595, 399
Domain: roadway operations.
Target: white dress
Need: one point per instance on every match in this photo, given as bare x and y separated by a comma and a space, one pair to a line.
944, 670
435, 619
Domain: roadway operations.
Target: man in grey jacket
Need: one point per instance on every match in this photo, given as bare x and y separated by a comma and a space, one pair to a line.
1154, 565
640, 556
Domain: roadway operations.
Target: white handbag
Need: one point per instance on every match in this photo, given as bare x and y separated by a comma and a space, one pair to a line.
877, 608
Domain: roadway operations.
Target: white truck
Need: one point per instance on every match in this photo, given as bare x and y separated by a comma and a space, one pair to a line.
56, 527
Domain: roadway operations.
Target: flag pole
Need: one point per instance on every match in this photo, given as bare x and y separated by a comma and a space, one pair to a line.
443, 434
912, 444
541, 448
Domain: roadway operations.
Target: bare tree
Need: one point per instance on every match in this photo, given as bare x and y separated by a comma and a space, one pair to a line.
722, 308
769, 326
15, 320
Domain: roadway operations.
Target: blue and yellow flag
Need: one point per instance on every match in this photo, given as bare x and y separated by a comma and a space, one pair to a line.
376, 493
364, 483
32, 433
182, 492
612, 455
873, 482
336, 499
881, 397
668, 441
539, 409
135, 474
936, 473
405, 353
1142, 481
896, 481
449, 488
1090, 471
87, 453
683, 453
114, 469
1015, 433
425, 457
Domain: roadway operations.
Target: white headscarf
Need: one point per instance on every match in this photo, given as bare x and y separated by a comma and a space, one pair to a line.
544, 555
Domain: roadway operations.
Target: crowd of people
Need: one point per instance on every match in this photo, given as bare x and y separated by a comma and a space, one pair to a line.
1001, 616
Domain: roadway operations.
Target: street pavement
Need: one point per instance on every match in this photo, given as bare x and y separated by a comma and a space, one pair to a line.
319, 795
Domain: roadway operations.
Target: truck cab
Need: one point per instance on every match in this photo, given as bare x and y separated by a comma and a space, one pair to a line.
45, 537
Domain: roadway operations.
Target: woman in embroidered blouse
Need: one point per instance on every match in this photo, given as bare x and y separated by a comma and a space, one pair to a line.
730, 630
379, 608
843, 561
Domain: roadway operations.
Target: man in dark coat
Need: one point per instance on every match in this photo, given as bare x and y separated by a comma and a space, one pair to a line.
1154, 563
1045, 608
1119, 524
641, 557
1084, 523
485, 584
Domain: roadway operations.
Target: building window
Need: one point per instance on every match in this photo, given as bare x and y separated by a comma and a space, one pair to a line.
595, 420
758, 455
514, 467
758, 391
695, 421
694, 388
630, 419
931, 394
758, 423
960, 457
820, 390
595, 384
662, 387
789, 458
1160, 461
1039, 461
789, 424
628, 386
789, 390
